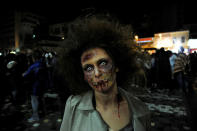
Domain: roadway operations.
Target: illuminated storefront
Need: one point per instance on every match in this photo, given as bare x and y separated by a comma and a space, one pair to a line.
147, 44
192, 43
169, 41
172, 40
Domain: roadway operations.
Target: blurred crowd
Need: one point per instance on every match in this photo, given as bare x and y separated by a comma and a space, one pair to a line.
29, 75
169, 70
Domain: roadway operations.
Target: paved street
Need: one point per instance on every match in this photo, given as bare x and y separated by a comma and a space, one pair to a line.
168, 110
14, 118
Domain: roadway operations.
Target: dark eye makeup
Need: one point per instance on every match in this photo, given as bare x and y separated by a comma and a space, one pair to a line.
88, 68
102, 62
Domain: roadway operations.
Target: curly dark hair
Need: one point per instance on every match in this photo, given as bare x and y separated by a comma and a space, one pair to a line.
92, 32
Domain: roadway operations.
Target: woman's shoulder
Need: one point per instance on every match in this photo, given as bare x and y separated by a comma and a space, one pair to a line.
73, 100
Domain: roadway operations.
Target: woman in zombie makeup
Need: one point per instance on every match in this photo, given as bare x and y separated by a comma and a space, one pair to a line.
98, 61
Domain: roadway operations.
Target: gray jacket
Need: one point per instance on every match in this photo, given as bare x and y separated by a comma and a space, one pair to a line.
80, 115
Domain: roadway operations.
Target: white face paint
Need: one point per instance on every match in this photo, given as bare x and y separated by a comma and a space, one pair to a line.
98, 69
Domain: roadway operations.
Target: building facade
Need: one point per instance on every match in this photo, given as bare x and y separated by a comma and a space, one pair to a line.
58, 30
17, 28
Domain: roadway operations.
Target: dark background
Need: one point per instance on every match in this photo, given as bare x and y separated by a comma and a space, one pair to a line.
146, 17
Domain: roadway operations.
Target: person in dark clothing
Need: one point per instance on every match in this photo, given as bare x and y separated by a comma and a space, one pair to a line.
163, 69
38, 71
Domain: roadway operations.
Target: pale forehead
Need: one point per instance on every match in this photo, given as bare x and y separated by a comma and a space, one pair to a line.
94, 53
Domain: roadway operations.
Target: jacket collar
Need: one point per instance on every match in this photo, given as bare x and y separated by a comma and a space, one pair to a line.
137, 108
86, 101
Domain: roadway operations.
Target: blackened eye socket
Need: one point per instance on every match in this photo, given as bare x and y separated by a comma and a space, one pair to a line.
102, 62
88, 68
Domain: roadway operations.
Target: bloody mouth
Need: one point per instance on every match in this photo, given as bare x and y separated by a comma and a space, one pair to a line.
100, 84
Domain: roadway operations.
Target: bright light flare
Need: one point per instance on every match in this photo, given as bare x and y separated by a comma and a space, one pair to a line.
192, 43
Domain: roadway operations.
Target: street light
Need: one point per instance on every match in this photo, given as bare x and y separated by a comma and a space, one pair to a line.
136, 37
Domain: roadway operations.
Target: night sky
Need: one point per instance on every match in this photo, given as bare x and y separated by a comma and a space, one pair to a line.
72, 8
137, 12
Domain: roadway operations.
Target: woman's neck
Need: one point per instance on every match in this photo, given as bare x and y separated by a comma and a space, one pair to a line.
107, 100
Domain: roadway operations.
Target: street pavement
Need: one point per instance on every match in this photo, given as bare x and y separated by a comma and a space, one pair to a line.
14, 118
169, 110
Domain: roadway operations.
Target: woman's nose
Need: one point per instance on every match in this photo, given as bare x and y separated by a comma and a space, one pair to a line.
97, 72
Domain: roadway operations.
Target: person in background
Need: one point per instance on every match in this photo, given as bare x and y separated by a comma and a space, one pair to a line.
39, 75
179, 71
163, 69
172, 59
98, 61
